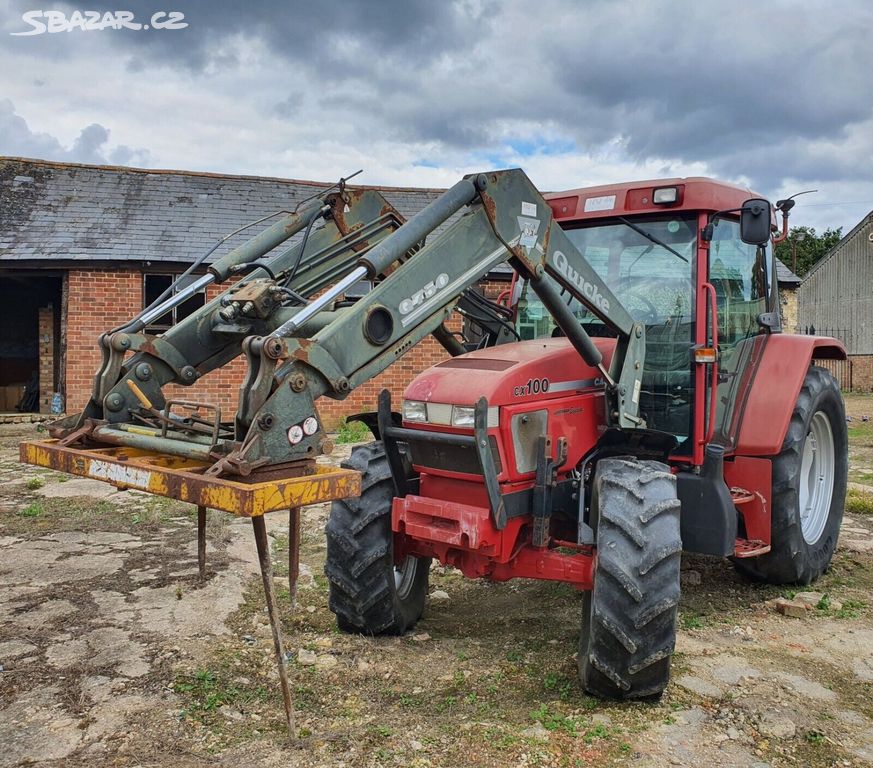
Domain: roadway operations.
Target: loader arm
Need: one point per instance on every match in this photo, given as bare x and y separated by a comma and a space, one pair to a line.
505, 217
301, 344
256, 304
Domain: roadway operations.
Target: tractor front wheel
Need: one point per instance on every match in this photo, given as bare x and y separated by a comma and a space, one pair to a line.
809, 487
629, 618
369, 593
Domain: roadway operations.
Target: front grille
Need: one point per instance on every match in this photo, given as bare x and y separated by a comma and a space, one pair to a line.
451, 458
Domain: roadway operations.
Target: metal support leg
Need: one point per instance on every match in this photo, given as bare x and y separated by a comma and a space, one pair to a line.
260, 529
201, 541
293, 553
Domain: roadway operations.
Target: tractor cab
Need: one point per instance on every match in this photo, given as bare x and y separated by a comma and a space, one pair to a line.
647, 241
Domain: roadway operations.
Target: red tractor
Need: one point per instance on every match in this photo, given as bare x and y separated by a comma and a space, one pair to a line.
510, 460
633, 397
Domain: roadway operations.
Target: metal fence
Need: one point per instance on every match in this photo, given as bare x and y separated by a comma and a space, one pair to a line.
841, 370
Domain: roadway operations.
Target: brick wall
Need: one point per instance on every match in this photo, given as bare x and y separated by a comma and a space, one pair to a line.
98, 300
46, 331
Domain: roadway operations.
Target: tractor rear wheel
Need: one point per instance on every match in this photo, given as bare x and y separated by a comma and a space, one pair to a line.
368, 593
629, 618
809, 487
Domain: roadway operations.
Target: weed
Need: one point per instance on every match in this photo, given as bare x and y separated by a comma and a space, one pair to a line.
446, 704
559, 684
859, 502
599, 731
352, 432
31, 510
815, 737
35, 483
207, 691
554, 721
851, 609
691, 621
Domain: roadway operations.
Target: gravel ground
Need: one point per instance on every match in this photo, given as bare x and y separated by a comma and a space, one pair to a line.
114, 653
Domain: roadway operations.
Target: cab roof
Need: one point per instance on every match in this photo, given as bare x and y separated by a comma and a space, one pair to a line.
695, 193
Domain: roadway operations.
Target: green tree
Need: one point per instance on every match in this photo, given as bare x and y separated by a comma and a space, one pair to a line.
809, 246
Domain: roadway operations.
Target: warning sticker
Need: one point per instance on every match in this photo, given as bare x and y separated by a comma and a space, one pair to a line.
528, 229
528, 209
115, 473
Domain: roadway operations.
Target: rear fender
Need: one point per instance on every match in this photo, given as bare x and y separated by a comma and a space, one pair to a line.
776, 384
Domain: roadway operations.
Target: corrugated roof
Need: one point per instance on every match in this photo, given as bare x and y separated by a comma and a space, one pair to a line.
839, 246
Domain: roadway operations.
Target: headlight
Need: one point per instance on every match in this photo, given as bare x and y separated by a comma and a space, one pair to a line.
462, 415
414, 410
665, 195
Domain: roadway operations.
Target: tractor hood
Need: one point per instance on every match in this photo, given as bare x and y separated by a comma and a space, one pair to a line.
510, 374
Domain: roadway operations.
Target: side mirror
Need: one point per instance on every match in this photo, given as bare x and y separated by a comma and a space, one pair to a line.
755, 222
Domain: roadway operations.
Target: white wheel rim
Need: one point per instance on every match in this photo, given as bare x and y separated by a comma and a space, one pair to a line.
404, 576
816, 478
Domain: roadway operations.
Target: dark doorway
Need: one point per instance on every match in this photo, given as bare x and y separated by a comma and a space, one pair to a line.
30, 340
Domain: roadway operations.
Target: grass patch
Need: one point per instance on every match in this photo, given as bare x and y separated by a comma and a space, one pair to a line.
691, 621
552, 720
35, 483
859, 502
557, 683
31, 510
352, 432
51, 515
207, 691
815, 737
852, 609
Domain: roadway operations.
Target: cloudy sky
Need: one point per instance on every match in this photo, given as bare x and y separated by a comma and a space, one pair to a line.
778, 95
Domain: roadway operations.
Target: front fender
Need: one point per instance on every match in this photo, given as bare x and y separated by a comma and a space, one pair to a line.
777, 382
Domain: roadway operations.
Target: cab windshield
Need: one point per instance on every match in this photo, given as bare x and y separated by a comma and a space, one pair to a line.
648, 263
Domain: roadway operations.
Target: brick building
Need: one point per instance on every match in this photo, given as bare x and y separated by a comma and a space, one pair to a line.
83, 247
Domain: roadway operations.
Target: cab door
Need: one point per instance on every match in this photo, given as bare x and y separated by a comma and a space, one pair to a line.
741, 283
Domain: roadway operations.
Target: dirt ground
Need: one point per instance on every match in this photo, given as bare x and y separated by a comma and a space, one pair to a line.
113, 652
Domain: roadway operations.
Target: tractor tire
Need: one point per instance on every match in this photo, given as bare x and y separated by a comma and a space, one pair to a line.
809, 487
367, 593
629, 618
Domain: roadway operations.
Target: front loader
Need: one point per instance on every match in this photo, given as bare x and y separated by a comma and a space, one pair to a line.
648, 404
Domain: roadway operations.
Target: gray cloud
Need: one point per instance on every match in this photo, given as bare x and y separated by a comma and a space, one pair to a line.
90, 146
330, 36
776, 94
